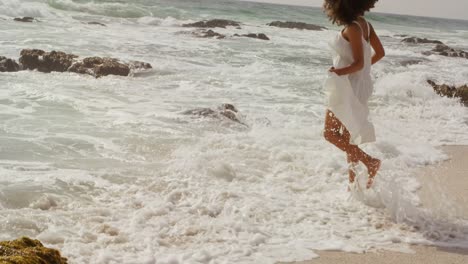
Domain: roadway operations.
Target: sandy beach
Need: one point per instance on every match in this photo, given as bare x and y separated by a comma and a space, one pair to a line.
442, 184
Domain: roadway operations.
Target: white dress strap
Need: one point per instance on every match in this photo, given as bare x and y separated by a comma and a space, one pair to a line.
368, 29
357, 23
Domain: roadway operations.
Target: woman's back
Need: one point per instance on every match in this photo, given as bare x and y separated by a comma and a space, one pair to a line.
361, 81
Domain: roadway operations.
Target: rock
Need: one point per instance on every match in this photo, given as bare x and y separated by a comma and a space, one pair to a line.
451, 91
46, 61
8, 65
26, 250
226, 110
221, 23
99, 67
58, 61
297, 25
415, 40
401, 35
251, 35
139, 65
410, 62
24, 19
447, 51
209, 34
96, 23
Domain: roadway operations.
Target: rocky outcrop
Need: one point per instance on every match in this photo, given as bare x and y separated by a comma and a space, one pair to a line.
208, 34
99, 67
28, 251
139, 65
96, 23
57, 61
411, 62
447, 51
296, 25
225, 110
214, 23
252, 35
415, 40
24, 19
8, 65
451, 91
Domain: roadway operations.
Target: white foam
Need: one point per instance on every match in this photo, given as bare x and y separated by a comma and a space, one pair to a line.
111, 172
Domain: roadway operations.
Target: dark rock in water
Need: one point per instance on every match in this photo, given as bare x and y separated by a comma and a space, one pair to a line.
251, 35
297, 25
58, 61
205, 112
451, 91
416, 40
46, 61
24, 19
401, 35
31, 58
28, 251
139, 65
226, 110
209, 34
99, 67
447, 51
221, 23
410, 62
8, 65
96, 23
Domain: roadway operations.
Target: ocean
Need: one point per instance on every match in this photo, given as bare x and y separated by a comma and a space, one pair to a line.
109, 170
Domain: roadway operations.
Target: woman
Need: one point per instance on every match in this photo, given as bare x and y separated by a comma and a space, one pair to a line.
350, 85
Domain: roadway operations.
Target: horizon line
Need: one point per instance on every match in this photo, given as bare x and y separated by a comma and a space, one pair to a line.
375, 12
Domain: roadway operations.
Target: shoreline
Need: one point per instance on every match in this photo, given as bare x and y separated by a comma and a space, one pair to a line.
448, 179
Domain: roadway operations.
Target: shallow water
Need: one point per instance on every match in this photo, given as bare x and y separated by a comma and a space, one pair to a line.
109, 171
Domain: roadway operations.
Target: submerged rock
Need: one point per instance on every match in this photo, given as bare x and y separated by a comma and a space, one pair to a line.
35, 59
139, 65
96, 23
296, 25
208, 34
451, 91
416, 40
444, 50
24, 19
221, 23
252, 35
99, 67
8, 65
46, 61
226, 110
411, 62
26, 250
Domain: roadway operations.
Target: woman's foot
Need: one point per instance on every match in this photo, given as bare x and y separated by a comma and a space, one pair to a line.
352, 164
372, 168
352, 171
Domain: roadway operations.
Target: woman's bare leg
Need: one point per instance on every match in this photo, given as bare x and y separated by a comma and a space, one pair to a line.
341, 141
352, 162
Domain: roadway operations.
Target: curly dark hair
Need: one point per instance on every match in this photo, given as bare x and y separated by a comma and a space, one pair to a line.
344, 12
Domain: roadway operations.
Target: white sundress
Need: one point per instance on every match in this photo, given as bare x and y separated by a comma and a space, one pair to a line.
348, 95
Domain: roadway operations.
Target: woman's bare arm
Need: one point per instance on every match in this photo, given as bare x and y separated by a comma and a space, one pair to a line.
354, 36
376, 45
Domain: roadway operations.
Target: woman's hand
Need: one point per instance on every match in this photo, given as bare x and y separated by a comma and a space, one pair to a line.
337, 71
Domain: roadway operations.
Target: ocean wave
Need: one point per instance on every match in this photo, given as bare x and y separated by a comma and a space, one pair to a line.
17, 8
105, 8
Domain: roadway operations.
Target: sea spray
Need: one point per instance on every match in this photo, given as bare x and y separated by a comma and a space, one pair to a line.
110, 170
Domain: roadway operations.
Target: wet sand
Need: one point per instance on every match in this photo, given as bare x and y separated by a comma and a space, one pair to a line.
442, 184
